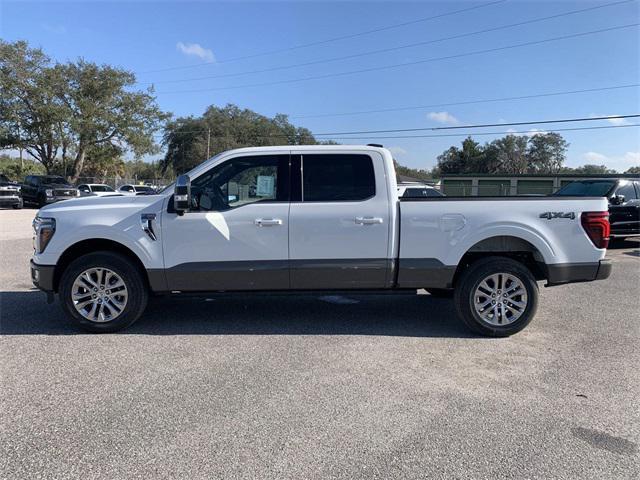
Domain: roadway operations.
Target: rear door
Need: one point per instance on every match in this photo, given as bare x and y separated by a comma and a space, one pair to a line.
339, 221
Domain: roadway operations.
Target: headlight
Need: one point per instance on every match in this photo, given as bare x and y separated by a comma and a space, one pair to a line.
77, 193
43, 230
48, 192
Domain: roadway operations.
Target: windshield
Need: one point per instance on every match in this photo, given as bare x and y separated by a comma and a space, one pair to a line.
587, 188
101, 188
53, 179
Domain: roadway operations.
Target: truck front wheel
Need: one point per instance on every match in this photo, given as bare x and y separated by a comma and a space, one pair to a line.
496, 296
103, 292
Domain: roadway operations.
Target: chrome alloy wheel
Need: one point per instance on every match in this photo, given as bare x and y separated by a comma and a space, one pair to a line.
99, 295
500, 299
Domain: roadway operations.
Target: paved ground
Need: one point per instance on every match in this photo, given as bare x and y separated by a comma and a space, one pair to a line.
304, 387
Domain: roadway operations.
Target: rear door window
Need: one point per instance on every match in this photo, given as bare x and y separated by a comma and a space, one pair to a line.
337, 178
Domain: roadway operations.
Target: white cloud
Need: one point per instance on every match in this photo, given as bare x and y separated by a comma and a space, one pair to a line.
595, 157
397, 151
612, 119
534, 131
617, 121
196, 50
443, 117
621, 163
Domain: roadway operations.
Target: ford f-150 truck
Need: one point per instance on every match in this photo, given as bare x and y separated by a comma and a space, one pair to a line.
313, 218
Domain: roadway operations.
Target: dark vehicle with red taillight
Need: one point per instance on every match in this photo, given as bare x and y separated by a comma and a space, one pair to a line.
623, 195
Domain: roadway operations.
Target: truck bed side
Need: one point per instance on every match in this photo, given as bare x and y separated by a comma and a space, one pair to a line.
436, 233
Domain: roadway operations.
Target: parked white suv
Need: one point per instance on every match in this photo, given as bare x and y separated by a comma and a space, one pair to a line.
313, 218
136, 190
95, 190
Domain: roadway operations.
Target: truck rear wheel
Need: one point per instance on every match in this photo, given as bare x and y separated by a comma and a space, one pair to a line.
496, 297
103, 292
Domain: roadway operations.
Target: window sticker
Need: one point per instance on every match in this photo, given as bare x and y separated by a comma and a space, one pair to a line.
266, 186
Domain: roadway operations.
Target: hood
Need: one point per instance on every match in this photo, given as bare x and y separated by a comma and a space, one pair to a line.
9, 184
101, 203
60, 186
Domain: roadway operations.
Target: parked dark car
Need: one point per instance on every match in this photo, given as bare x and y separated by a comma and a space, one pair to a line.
41, 190
10, 195
624, 201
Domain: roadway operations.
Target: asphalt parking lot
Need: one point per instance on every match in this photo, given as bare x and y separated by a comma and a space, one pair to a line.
319, 387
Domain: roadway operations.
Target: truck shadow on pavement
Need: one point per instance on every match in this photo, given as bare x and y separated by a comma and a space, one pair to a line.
27, 313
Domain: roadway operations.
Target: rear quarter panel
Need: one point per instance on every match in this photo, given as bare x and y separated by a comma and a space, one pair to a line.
445, 229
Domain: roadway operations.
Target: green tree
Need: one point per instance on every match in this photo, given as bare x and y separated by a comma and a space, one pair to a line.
30, 111
17, 170
190, 140
60, 112
592, 170
412, 172
468, 159
507, 155
103, 112
635, 169
546, 153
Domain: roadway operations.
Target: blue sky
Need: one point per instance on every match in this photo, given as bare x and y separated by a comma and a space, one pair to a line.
207, 36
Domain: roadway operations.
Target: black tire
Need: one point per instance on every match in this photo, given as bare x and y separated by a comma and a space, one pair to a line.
138, 292
440, 292
471, 279
42, 201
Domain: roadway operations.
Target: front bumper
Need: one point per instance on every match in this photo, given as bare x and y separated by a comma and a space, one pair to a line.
42, 276
562, 273
10, 200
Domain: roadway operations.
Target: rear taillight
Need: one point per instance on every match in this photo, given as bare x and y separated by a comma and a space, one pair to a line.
596, 225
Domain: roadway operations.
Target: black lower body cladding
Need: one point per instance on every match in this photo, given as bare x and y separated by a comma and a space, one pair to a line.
561, 273
42, 276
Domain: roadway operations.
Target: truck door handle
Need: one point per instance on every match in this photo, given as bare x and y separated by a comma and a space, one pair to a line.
368, 220
267, 222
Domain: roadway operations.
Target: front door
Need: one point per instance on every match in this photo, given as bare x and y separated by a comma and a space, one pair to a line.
339, 221
235, 236
625, 217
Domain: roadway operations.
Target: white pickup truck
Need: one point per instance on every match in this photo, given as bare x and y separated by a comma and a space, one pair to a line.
313, 218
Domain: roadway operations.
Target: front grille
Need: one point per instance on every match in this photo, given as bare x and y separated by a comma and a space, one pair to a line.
65, 193
8, 193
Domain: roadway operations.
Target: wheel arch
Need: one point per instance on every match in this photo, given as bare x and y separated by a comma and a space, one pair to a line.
92, 245
508, 246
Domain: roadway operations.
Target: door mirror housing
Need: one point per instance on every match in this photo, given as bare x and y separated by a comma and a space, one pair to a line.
617, 200
182, 194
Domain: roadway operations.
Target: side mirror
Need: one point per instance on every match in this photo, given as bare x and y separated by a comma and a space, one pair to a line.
617, 200
182, 194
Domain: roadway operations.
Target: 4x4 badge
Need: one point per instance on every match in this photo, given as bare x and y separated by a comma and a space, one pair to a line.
552, 215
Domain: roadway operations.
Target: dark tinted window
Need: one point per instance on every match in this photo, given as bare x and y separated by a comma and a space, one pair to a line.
127, 188
143, 188
101, 188
84, 188
338, 177
51, 180
627, 190
585, 188
421, 192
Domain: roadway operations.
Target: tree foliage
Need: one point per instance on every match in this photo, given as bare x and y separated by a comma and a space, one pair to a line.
61, 112
540, 153
189, 139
